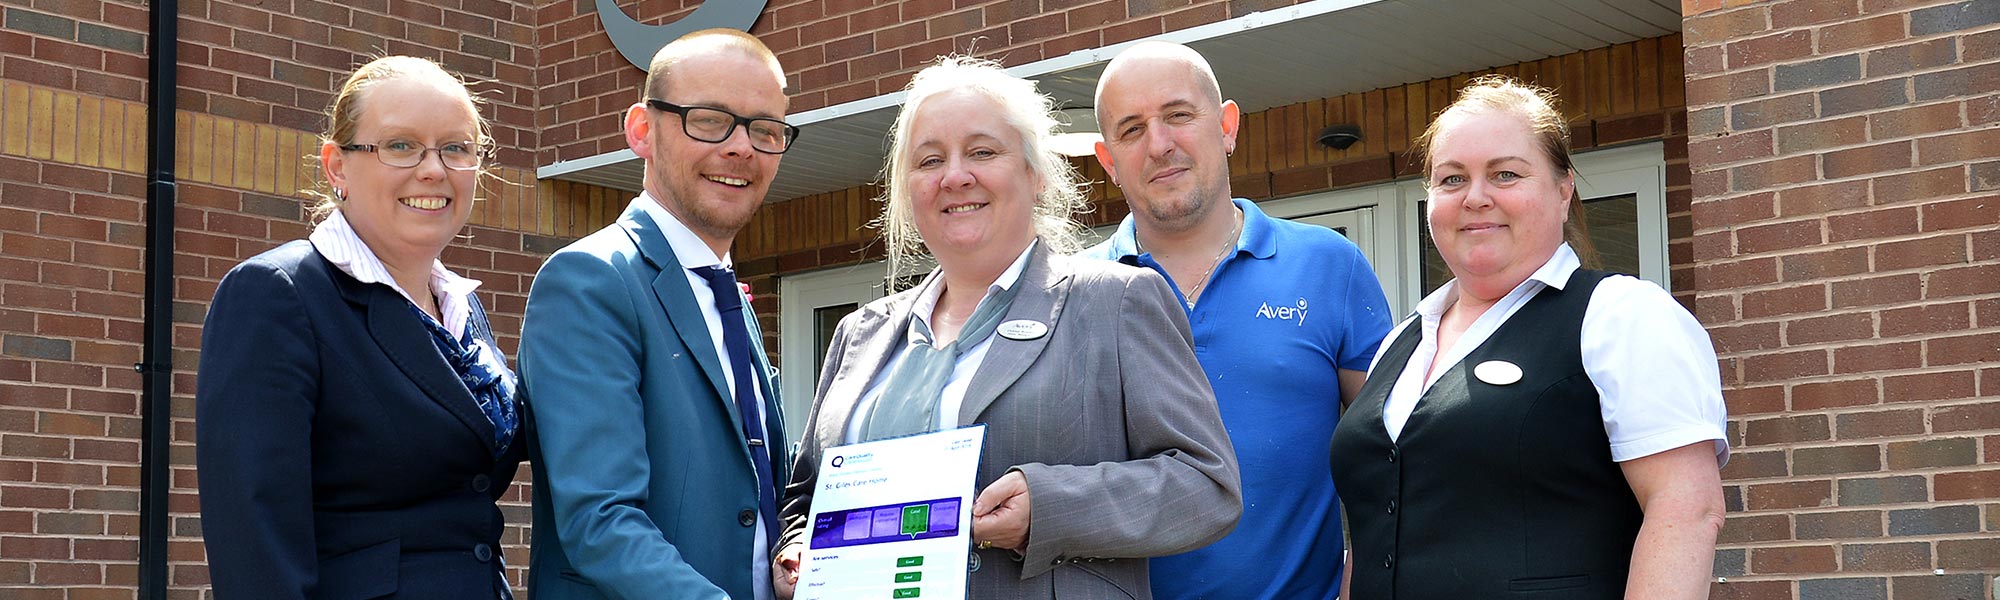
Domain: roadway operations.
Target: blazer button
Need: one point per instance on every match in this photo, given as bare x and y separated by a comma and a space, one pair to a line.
482, 552
972, 562
1389, 561
747, 518
481, 483
1392, 507
1392, 454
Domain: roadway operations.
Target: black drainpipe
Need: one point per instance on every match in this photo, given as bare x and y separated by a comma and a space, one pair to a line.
157, 372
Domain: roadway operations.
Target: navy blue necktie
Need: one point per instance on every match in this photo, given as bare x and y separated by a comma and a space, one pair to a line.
736, 337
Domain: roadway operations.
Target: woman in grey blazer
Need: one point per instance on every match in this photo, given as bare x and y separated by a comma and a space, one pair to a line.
1103, 443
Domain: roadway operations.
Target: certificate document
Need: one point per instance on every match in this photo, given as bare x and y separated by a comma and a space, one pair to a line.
893, 518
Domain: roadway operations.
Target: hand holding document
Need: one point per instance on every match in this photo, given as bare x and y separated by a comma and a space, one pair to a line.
892, 518
1000, 515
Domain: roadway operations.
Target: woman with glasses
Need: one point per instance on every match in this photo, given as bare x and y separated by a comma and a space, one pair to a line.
356, 420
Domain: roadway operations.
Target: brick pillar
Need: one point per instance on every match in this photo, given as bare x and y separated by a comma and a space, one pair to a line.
1847, 264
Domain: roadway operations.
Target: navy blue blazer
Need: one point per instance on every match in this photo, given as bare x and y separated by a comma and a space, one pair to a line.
340, 457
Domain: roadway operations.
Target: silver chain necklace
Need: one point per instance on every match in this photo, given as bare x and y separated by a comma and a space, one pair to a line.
1227, 245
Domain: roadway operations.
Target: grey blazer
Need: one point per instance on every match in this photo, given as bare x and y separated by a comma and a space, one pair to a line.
1108, 416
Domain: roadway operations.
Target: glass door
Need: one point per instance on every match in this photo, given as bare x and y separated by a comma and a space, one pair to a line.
810, 306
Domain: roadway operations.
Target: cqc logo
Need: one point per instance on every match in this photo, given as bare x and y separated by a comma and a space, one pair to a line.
639, 41
1284, 313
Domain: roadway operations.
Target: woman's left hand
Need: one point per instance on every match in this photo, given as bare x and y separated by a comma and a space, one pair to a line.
1000, 514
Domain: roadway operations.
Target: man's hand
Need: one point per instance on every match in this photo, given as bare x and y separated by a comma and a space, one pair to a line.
1000, 514
786, 568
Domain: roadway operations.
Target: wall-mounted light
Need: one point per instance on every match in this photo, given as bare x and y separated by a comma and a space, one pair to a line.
1340, 136
1077, 132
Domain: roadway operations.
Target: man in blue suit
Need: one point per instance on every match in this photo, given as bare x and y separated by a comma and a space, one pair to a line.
658, 437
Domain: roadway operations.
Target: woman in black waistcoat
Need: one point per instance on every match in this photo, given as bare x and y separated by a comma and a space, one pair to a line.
1535, 430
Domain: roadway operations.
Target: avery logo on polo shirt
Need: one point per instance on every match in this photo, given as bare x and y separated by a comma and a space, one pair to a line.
1284, 313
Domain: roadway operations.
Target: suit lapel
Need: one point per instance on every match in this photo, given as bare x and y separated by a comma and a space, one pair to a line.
869, 347
671, 287
1041, 301
407, 342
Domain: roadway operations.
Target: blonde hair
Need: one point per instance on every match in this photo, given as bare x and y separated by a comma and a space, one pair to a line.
344, 115
1028, 111
1538, 106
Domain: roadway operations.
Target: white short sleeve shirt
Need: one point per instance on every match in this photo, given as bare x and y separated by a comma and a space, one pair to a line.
1652, 363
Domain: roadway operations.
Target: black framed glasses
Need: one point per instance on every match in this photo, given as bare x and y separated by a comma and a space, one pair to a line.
713, 125
457, 156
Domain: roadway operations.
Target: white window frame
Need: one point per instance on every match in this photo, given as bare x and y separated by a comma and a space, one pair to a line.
1379, 242
1639, 170
799, 295
1395, 250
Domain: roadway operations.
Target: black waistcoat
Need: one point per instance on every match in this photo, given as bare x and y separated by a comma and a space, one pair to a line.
1491, 491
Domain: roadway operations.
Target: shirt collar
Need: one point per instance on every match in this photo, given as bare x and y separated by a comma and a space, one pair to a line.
689, 249
1553, 273
1258, 238
336, 240
1124, 242
927, 299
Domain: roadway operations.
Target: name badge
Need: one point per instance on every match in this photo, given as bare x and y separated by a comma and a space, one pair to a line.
1497, 372
1022, 329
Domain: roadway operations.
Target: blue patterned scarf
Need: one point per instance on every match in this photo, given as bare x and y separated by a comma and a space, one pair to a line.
484, 372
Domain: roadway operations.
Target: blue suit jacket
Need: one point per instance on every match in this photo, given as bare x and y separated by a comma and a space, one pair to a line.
644, 481
340, 456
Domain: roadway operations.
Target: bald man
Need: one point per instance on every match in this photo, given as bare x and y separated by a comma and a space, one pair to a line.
1286, 318
660, 443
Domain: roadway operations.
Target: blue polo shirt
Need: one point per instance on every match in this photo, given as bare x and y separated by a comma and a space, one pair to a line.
1293, 303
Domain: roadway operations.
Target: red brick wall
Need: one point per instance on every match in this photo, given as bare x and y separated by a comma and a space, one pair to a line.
69, 334
1848, 267
278, 61
837, 51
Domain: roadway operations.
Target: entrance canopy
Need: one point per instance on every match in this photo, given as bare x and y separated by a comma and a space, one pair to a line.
1312, 50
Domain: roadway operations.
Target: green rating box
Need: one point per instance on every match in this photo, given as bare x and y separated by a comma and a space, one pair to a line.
916, 519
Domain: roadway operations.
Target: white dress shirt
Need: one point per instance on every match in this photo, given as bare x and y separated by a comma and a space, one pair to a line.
335, 239
961, 371
693, 253
1652, 364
